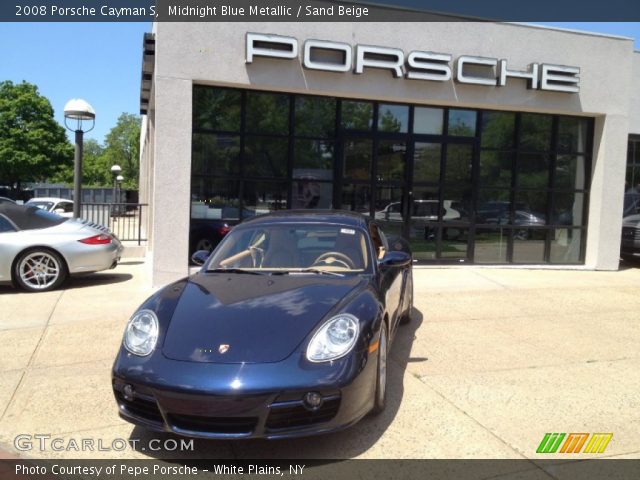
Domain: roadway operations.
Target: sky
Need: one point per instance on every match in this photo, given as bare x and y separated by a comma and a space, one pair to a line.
100, 62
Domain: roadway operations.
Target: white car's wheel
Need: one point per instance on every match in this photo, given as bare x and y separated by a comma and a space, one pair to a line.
204, 244
40, 270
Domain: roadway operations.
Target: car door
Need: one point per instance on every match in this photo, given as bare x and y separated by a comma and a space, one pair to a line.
391, 278
7, 247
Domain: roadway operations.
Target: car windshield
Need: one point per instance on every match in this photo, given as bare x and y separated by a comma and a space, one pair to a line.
291, 248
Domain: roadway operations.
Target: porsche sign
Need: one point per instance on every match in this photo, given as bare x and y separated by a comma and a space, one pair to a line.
416, 65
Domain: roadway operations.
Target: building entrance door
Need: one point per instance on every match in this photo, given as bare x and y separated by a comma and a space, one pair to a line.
440, 201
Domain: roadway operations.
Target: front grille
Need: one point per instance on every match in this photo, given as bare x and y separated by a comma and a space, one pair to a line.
230, 425
144, 408
296, 415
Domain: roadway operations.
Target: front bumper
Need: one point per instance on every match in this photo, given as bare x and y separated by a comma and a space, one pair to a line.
234, 401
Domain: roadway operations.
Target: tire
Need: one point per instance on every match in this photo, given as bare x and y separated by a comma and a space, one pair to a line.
39, 270
204, 244
380, 396
406, 315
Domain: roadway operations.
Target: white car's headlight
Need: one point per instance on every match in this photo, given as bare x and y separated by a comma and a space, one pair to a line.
334, 339
141, 334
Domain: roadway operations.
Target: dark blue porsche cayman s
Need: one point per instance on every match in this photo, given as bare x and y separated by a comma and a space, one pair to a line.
283, 332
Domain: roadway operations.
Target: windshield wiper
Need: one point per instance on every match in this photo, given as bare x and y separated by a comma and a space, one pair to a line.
317, 270
232, 270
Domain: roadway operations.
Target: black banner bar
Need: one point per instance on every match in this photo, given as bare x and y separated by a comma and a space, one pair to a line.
316, 10
569, 469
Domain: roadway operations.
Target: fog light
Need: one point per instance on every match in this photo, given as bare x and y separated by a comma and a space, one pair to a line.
128, 392
312, 400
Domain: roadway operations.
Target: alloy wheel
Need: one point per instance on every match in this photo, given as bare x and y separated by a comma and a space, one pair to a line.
39, 270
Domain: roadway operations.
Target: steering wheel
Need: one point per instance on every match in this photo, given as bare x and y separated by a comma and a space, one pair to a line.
337, 257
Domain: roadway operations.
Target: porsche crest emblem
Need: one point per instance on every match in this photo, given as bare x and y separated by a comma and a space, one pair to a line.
223, 348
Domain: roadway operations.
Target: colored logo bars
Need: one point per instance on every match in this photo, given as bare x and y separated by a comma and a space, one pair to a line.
574, 442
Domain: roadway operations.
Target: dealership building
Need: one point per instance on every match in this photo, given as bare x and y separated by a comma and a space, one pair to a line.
479, 143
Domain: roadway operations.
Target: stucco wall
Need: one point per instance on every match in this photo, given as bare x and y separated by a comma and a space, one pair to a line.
214, 53
634, 104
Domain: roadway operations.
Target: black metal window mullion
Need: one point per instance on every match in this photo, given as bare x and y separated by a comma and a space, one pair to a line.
243, 124
291, 149
408, 175
338, 161
373, 180
441, 183
514, 184
475, 183
553, 158
374, 174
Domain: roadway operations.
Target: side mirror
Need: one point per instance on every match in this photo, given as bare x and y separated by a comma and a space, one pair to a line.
395, 259
59, 210
200, 257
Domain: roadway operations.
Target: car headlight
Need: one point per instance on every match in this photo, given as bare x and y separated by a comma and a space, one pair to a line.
141, 334
334, 339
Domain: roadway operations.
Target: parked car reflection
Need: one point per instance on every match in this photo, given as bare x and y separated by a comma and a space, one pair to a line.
630, 241
426, 210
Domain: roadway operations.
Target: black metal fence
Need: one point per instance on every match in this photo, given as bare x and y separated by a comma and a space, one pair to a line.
128, 221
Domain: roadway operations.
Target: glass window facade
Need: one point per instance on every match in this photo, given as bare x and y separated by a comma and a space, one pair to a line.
631, 205
462, 185
633, 165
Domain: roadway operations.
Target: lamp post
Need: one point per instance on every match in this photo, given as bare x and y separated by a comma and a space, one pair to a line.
78, 111
119, 180
115, 172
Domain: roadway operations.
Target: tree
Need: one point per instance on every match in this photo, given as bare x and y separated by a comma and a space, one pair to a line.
95, 171
33, 146
122, 147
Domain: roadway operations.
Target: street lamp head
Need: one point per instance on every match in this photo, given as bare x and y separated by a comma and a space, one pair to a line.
119, 178
116, 169
79, 110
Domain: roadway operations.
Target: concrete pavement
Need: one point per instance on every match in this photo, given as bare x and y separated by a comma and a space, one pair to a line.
493, 360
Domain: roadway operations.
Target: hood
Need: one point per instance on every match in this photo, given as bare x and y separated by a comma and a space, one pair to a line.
260, 318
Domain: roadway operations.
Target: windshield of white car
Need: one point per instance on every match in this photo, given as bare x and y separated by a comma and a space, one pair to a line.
41, 204
306, 248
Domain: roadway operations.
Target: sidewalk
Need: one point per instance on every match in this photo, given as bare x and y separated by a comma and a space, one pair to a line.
493, 360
